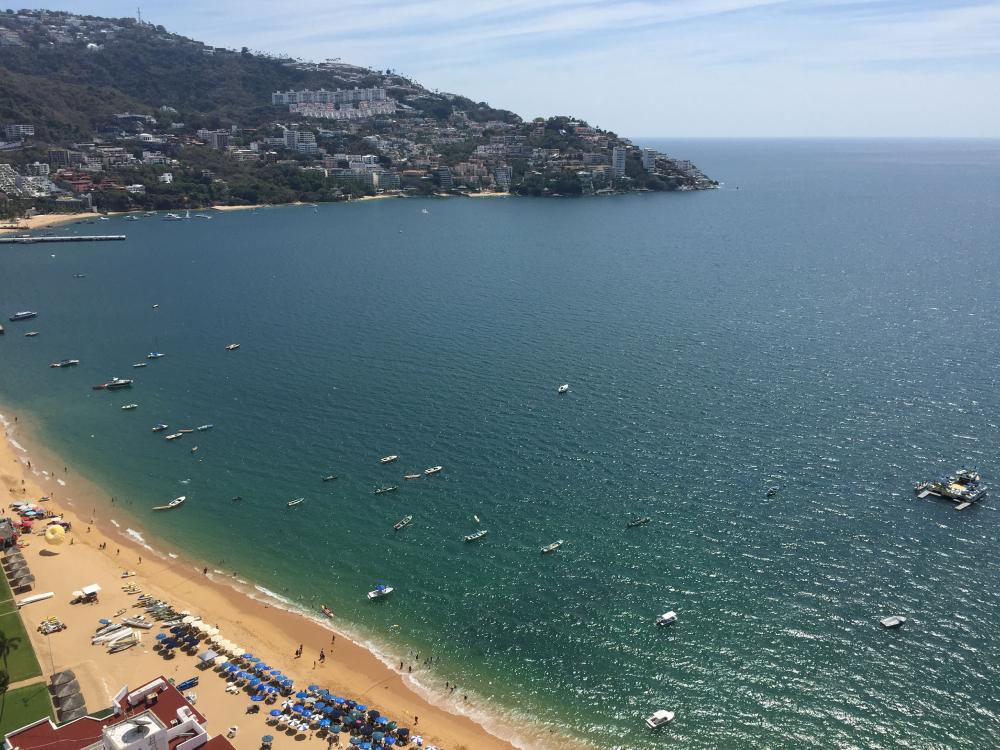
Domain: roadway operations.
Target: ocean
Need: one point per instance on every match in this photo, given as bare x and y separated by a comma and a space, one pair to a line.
825, 322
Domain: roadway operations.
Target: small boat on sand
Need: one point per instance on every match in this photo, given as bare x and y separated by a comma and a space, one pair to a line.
667, 618
402, 523
552, 547
329, 478
172, 504
326, 610
475, 537
659, 719
563, 388
232, 347
381, 591
893, 621
637, 522
383, 490
130, 407
388, 459
433, 470
296, 501
411, 477
160, 427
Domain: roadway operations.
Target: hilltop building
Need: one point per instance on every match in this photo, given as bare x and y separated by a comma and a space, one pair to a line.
618, 156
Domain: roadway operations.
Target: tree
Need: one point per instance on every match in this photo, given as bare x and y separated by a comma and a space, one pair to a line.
8, 644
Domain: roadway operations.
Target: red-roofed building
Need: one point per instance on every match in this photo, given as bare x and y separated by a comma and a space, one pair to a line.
153, 717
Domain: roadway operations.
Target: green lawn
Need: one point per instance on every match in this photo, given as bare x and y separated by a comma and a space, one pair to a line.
21, 662
24, 706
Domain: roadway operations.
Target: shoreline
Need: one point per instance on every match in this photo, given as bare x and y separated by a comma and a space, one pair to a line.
265, 622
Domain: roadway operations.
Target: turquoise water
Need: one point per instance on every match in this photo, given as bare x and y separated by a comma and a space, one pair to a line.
830, 326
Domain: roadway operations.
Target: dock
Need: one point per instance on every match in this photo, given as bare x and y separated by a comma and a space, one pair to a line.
65, 238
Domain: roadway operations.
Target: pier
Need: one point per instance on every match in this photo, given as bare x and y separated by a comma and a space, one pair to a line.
65, 238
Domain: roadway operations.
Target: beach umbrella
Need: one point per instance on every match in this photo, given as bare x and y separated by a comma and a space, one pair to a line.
248, 655
275, 673
298, 708
302, 695
275, 712
235, 649
307, 712
337, 699
336, 728
390, 740
254, 682
210, 632
232, 669
324, 723
161, 636
257, 697
313, 688
188, 620
320, 704
377, 736
221, 661
383, 720
287, 682
176, 629
359, 707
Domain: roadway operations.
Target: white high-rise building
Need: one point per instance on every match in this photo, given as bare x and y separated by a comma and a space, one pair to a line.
618, 155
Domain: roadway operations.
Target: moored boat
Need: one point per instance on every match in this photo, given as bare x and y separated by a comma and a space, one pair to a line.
964, 486
476, 536
205, 427
114, 384
383, 490
141, 364
433, 470
155, 355
232, 347
402, 523
329, 478
380, 591
65, 363
411, 477
772, 490
130, 407
326, 610
552, 547
667, 618
30, 334
185, 430
172, 504
893, 621
563, 388
388, 459
195, 449
659, 719
23, 315
160, 427
641, 521
296, 501
175, 435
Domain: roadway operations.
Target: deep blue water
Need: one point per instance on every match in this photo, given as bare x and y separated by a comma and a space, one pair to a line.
829, 326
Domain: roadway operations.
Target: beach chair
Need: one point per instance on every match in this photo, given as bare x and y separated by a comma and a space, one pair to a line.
232, 731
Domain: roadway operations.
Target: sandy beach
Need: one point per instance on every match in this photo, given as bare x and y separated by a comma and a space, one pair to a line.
238, 208
43, 221
95, 553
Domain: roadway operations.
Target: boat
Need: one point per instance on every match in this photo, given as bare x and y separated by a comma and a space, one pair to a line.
893, 621
172, 504
130, 407
380, 591
175, 435
195, 449
160, 427
383, 490
388, 459
433, 470
232, 347
25, 315
296, 501
964, 486
772, 490
202, 216
659, 719
642, 521
563, 388
79, 275
65, 363
411, 477
1, 330
667, 618
172, 217
141, 364
155, 355
131, 218
185, 430
402, 523
474, 537
236, 499
552, 547
114, 384
326, 610
329, 478
103, 218
31, 334
205, 427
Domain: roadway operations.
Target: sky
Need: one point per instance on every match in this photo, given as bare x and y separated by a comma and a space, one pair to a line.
648, 68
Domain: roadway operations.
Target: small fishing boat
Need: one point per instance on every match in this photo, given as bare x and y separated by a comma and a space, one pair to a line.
326, 610
772, 490
379, 592
659, 719
475, 536
195, 449
155, 355
185, 430
642, 521
383, 490
23, 315
232, 347
202, 216
141, 364
563, 388
296, 501
175, 435
329, 478
667, 618
172, 217
160, 427
79, 275
155, 306
402, 523
476, 518
411, 477
65, 363
388, 459
433, 470
130, 407
236, 499
205, 427
31, 334
893, 621
552, 547
172, 504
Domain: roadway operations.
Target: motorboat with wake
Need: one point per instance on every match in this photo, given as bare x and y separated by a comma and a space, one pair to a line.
172, 504
380, 591
402, 523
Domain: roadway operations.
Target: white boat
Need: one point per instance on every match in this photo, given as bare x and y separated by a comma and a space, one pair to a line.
402, 523
659, 719
172, 504
172, 217
160, 427
130, 407
175, 435
411, 477
475, 536
552, 547
388, 459
202, 216
205, 427
893, 621
232, 347
195, 449
141, 364
433, 470
296, 501
155, 355
383, 490
380, 591
563, 388
667, 618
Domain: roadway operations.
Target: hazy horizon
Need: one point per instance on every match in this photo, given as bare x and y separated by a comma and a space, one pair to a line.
701, 68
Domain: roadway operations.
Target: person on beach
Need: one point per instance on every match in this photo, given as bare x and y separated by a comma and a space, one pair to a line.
322, 656
416, 720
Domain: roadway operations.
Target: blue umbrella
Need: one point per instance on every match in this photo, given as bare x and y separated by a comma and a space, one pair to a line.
382, 720
232, 669
275, 673
336, 728
360, 707
390, 740
176, 629
254, 682
378, 735
161, 636
337, 699
257, 697
313, 688
270, 689
287, 682
104, 621
298, 708
324, 723
275, 712
302, 695
365, 746
307, 712
248, 655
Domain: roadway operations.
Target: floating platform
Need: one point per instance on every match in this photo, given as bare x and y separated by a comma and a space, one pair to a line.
66, 238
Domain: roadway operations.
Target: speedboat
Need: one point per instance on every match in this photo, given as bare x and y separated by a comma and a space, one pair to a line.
893, 621
175, 435
172, 217
31, 334
232, 347
65, 363
659, 719
383, 490
475, 536
296, 501
411, 477
642, 521
205, 427
563, 388
160, 427
433, 470
329, 478
552, 547
172, 504
772, 490
380, 591
388, 459
130, 407
140, 364
402, 523
155, 355
25, 315
667, 618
